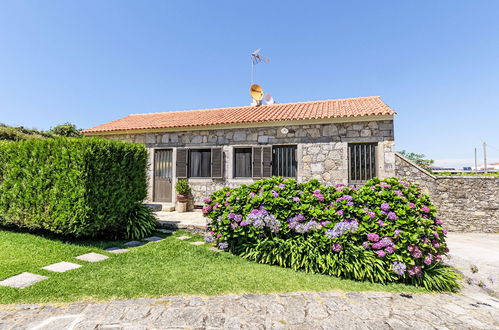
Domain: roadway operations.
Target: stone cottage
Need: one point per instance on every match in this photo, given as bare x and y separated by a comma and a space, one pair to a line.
336, 141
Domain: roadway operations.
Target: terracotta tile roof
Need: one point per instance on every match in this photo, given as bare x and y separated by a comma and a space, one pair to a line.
341, 108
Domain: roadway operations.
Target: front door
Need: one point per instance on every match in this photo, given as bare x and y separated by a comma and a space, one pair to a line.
163, 175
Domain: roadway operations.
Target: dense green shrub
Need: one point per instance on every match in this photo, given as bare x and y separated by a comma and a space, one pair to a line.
384, 231
79, 187
140, 222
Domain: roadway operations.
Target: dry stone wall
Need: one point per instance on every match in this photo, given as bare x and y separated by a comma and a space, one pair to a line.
466, 204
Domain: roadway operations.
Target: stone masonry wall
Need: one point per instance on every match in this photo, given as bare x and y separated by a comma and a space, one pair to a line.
321, 149
466, 204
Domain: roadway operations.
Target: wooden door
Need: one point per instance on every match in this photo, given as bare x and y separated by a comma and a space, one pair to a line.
163, 175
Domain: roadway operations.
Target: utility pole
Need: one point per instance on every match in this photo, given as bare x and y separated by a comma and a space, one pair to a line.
485, 157
476, 163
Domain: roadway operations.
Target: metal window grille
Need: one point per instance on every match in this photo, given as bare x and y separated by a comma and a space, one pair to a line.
284, 161
362, 162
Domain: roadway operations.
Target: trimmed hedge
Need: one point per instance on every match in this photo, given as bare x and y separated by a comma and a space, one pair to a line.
78, 187
385, 231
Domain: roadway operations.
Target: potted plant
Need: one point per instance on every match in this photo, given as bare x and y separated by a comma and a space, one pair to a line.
183, 190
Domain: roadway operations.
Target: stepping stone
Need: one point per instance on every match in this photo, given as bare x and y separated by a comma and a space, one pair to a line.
197, 243
134, 243
117, 250
154, 239
61, 267
183, 237
166, 231
22, 280
215, 249
92, 257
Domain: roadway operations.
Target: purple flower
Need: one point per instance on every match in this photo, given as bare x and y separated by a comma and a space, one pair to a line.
227, 194
339, 229
282, 185
444, 232
411, 205
340, 212
275, 194
415, 271
416, 253
398, 192
252, 194
425, 209
238, 217
337, 247
373, 188
234, 225
206, 209
381, 223
243, 223
371, 215
380, 253
377, 246
208, 237
207, 200
398, 268
405, 184
392, 216
231, 216
223, 245
365, 245
397, 232
373, 237
435, 234
435, 244
438, 222
390, 249
428, 259
386, 241
385, 207
296, 199
317, 194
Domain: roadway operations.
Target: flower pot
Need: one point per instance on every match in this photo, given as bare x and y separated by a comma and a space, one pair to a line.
182, 198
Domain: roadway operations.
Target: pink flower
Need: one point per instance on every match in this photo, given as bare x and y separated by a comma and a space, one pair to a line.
411, 205
380, 253
206, 209
438, 222
425, 209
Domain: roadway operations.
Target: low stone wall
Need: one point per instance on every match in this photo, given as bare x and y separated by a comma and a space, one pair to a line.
465, 204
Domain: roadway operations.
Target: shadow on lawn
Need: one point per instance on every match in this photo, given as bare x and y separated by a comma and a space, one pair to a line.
101, 242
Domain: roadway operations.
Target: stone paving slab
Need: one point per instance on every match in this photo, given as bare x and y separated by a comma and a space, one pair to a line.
92, 257
61, 267
197, 243
134, 243
297, 310
183, 237
166, 231
153, 239
23, 280
117, 250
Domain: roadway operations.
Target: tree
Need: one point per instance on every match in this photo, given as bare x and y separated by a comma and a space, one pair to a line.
419, 159
67, 130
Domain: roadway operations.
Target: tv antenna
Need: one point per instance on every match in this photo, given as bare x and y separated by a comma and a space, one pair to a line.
255, 59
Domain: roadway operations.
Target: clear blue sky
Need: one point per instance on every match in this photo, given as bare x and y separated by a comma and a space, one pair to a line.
89, 62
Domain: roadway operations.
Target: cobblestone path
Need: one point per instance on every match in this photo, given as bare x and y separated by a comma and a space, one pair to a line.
326, 310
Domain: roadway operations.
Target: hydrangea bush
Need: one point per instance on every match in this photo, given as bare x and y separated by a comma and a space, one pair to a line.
385, 231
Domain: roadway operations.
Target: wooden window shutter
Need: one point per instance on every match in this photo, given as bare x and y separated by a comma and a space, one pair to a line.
181, 165
266, 162
257, 163
217, 161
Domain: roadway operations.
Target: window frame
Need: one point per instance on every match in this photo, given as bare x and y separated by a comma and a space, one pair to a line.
294, 159
373, 166
189, 162
249, 150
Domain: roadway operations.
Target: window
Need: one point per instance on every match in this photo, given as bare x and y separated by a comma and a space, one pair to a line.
242, 163
200, 163
362, 161
284, 161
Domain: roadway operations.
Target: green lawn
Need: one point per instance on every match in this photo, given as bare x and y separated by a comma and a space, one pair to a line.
169, 267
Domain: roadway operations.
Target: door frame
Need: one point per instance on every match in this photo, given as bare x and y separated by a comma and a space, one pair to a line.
154, 174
